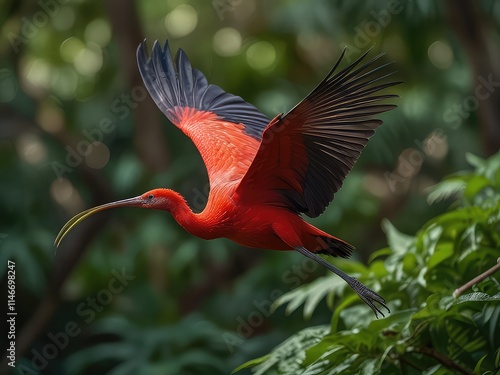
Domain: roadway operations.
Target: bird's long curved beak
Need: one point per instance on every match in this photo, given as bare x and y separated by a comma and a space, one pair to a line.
130, 202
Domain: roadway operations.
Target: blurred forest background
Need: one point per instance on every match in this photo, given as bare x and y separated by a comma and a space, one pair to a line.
130, 290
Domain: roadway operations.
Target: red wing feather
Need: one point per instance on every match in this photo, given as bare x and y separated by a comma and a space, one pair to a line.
225, 129
305, 155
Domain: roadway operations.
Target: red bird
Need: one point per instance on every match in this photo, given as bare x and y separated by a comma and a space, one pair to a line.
264, 173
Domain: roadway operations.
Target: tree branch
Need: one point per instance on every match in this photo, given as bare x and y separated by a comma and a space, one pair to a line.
149, 138
477, 279
445, 361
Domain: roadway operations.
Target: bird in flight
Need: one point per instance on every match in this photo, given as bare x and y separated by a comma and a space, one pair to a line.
265, 173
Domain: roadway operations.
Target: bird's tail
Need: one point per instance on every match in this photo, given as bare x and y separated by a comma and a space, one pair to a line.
319, 242
333, 246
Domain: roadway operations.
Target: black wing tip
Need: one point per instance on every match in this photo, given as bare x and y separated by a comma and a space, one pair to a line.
180, 54
157, 50
179, 85
160, 77
355, 90
141, 53
352, 65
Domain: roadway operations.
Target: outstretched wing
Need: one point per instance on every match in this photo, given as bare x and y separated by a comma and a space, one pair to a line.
225, 129
305, 155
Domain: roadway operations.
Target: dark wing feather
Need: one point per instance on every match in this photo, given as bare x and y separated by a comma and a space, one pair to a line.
180, 86
305, 155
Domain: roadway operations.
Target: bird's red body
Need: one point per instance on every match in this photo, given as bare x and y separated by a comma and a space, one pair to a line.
264, 173
228, 154
253, 226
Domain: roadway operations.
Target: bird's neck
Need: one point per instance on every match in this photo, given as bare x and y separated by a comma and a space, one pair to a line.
186, 218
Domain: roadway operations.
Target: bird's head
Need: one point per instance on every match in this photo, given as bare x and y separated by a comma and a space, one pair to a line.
159, 199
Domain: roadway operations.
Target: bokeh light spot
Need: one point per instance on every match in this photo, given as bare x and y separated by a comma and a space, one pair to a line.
63, 192
436, 146
376, 185
227, 42
31, 149
64, 82
37, 74
181, 21
50, 118
98, 32
261, 55
70, 48
89, 60
440, 54
98, 157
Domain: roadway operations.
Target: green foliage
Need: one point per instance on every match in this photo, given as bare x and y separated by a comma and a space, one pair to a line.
429, 331
150, 350
288, 357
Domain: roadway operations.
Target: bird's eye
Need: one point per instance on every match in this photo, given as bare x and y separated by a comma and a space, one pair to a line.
150, 196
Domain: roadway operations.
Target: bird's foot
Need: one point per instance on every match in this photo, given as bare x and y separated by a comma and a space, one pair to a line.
370, 297
366, 294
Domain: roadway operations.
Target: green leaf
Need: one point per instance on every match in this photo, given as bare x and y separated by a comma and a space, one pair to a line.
380, 253
252, 363
475, 161
346, 302
478, 297
488, 322
460, 217
475, 185
442, 253
393, 320
310, 294
399, 242
436, 370
288, 356
87, 357
431, 308
322, 363
477, 369
409, 263
493, 165
445, 189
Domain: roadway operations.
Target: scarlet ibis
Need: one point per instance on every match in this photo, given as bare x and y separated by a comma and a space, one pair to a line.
265, 173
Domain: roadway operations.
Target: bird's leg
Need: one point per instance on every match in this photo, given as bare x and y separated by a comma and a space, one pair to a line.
366, 294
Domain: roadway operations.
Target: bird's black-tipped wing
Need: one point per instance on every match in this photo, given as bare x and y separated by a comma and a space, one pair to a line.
225, 129
305, 155
180, 86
